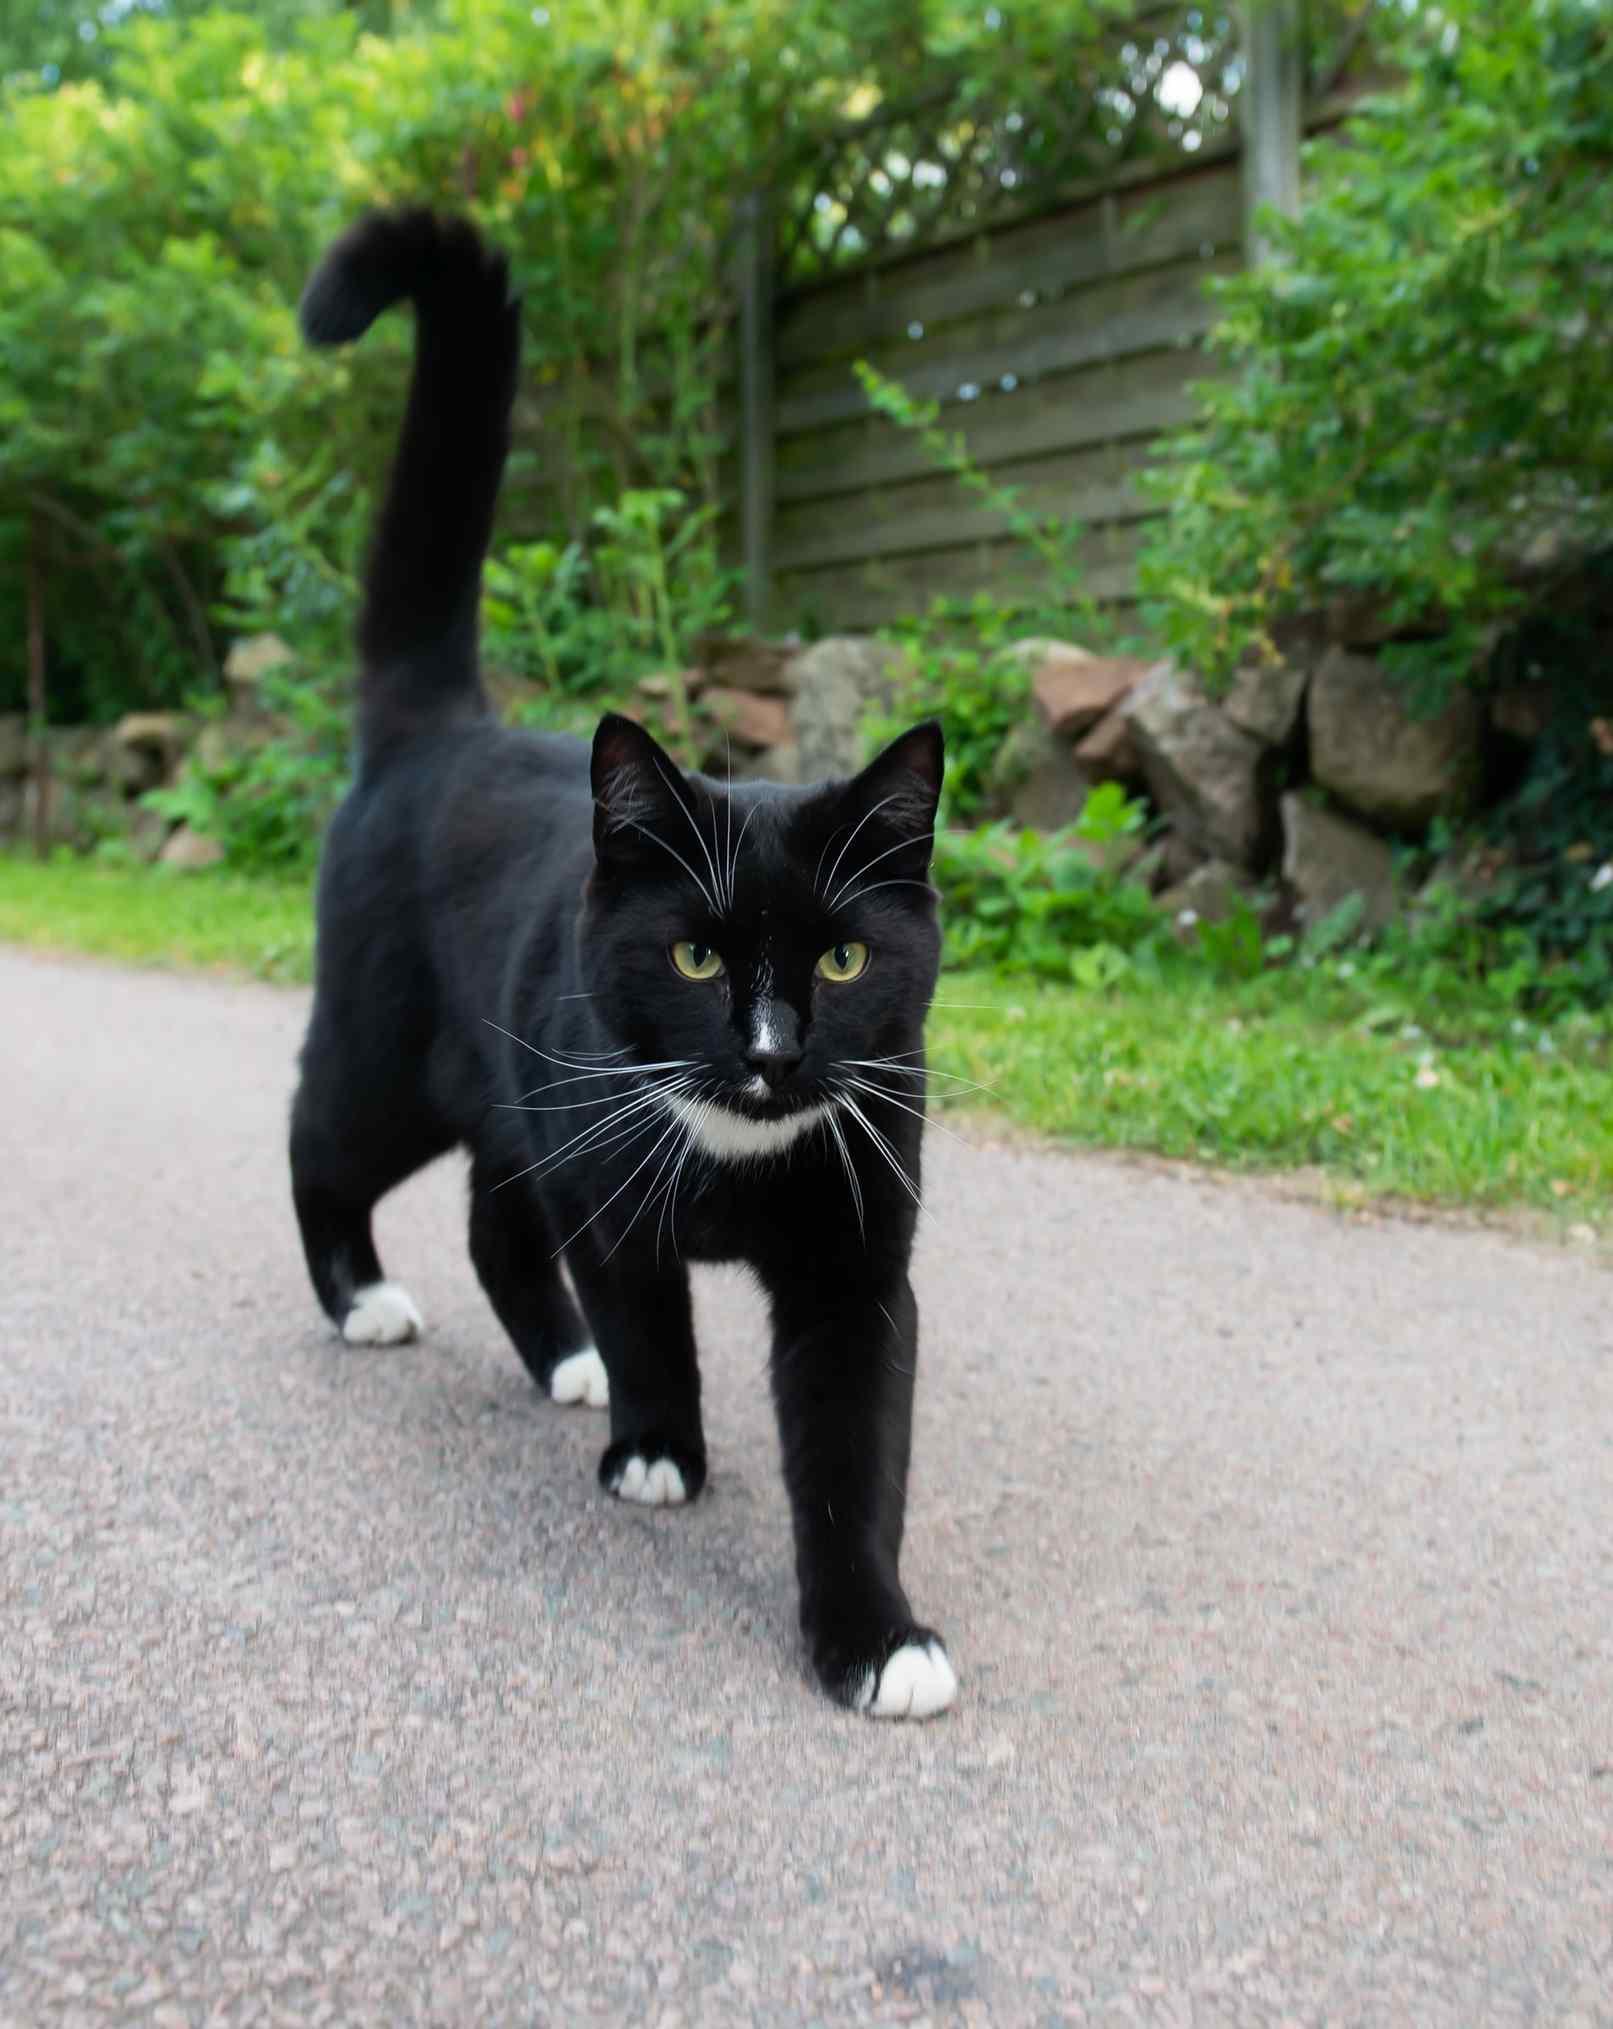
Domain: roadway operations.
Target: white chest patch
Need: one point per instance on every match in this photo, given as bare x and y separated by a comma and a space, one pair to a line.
735, 1137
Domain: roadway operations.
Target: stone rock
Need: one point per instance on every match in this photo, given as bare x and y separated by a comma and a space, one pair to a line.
78, 755
838, 681
147, 832
144, 748
189, 850
744, 662
14, 757
1369, 752
1327, 858
1207, 895
662, 687
1073, 690
1108, 753
68, 819
246, 666
221, 742
1206, 773
1522, 711
1034, 778
755, 722
1266, 699
778, 764
250, 660
1178, 857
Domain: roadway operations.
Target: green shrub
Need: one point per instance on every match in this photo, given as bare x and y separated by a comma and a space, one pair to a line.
267, 801
1051, 904
1422, 409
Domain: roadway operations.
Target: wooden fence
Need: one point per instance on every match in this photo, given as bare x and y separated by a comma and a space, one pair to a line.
1060, 346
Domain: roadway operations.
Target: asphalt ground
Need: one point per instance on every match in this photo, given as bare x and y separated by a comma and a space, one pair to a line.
1274, 1551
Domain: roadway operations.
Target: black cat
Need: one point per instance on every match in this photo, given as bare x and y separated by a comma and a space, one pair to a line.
671, 1019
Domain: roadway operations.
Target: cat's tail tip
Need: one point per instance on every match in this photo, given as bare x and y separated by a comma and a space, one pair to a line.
389, 255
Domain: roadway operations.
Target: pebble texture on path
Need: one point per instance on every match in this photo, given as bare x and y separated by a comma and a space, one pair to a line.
1275, 1553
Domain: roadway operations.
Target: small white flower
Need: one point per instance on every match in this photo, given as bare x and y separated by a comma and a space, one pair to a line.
1186, 918
1519, 1026
1411, 1033
1546, 1046
1427, 1078
1602, 878
1345, 969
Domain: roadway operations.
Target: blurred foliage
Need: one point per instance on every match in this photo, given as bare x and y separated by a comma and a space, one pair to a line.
1421, 419
169, 172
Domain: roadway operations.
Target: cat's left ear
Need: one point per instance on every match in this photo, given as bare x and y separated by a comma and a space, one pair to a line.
891, 805
639, 793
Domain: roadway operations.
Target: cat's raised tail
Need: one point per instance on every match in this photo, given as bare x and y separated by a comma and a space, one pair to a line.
422, 586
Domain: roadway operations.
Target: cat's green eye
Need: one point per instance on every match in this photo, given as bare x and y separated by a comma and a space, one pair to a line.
844, 962
696, 961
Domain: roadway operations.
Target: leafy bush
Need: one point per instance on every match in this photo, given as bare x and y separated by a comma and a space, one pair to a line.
1048, 903
1422, 414
168, 174
267, 801
955, 668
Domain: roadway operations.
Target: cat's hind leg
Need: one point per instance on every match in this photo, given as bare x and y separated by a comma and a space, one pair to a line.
515, 1255
345, 1157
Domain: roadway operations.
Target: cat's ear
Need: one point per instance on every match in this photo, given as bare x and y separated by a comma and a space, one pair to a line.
890, 807
639, 793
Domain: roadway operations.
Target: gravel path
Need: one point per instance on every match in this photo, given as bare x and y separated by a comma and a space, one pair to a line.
1275, 1553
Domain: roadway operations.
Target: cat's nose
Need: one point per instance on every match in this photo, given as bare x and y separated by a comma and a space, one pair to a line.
773, 1060
774, 1047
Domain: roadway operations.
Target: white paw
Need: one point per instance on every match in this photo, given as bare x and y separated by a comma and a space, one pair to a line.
382, 1315
652, 1486
916, 1683
580, 1377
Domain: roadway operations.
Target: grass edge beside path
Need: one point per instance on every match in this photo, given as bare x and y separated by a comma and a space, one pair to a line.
1239, 1078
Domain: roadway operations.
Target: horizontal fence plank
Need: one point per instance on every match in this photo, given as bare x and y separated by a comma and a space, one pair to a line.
875, 593
1112, 320
1114, 401
1093, 487
1181, 216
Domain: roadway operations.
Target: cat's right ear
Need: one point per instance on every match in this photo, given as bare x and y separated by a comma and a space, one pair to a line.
638, 791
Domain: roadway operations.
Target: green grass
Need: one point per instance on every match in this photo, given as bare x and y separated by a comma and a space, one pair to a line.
1286, 1071
1246, 1079
150, 916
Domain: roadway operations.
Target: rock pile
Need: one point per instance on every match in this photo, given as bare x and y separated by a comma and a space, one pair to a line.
1305, 771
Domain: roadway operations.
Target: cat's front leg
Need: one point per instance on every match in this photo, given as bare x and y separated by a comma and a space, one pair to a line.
843, 1370
640, 1317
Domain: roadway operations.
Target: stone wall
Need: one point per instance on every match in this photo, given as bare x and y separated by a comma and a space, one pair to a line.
1299, 780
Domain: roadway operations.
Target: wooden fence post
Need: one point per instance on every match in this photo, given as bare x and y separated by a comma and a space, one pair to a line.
36, 686
1272, 102
755, 278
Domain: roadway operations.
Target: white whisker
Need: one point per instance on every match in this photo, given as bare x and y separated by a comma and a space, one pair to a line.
597, 1133
839, 856
672, 852
874, 887
913, 1071
901, 845
700, 836
615, 1194
881, 1144
902, 1102
839, 1134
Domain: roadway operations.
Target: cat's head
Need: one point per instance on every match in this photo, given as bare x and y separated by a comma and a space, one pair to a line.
772, 944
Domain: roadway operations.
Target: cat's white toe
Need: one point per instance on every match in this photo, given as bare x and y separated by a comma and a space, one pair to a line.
580, 1377
916, 1683
382, 1315
652, 1486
